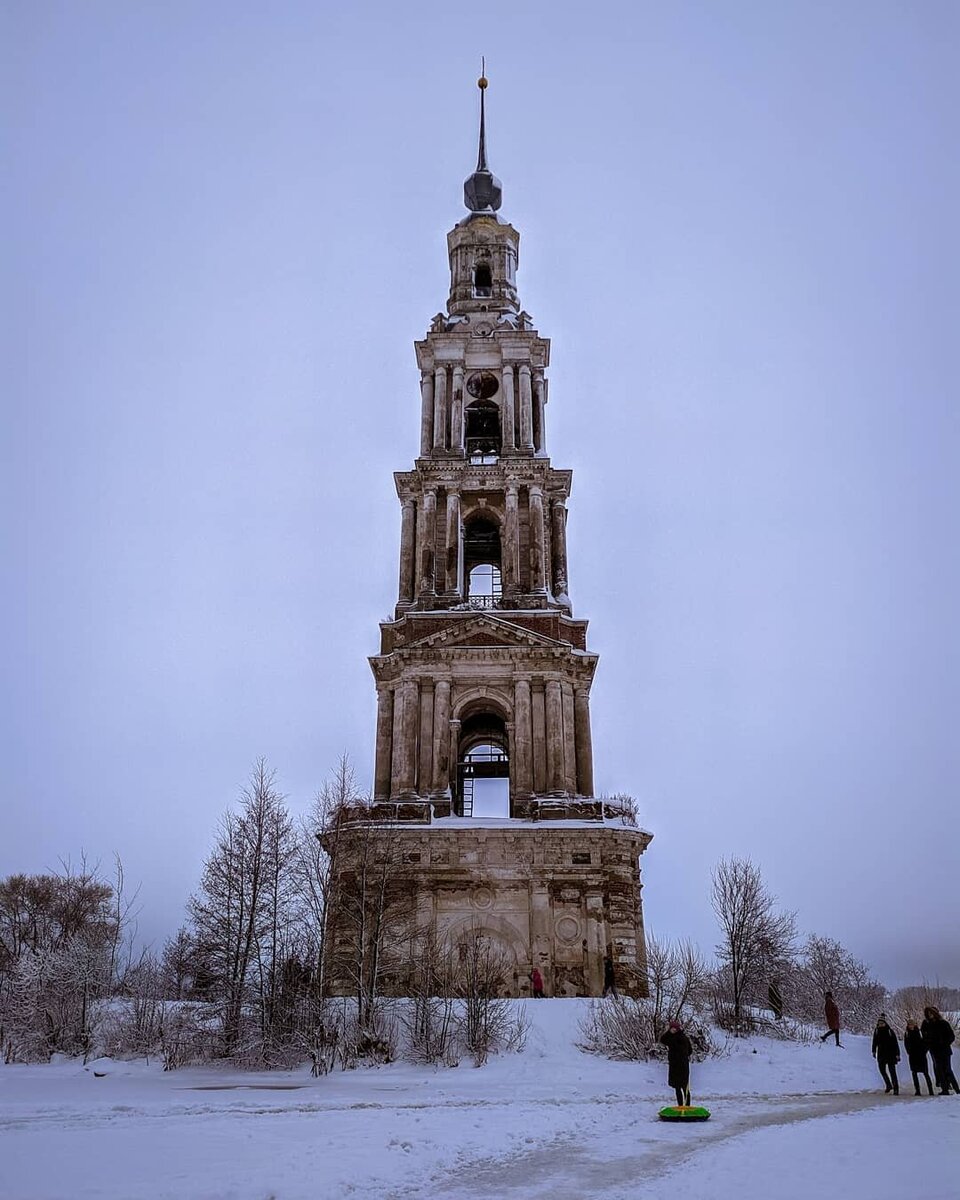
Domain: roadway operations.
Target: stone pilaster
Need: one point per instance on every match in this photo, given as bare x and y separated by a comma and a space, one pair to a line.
425, 770
508, 411
383, 765
408, 525
553, 704
526, 409
537, 574
523, 739
510, 549
453, 543
569, 749
584, 740
539, 413
428, 545
558, 516
404, 781
456, 412
426, 411
440, 409
539, 740
441, 738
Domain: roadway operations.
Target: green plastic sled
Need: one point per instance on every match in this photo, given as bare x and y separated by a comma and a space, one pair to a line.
688, 1112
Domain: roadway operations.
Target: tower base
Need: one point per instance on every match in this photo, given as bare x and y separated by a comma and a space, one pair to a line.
560, 899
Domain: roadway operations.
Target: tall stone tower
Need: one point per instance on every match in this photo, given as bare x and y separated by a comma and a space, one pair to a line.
484, 761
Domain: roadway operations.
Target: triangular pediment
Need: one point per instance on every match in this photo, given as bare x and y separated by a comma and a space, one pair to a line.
482, 630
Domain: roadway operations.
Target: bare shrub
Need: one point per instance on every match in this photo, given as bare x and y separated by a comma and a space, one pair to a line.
629, 1030
908, 1003
490, 1024
429, 1018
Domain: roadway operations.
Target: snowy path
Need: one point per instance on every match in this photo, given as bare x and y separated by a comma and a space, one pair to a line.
632, 1150
789, 1121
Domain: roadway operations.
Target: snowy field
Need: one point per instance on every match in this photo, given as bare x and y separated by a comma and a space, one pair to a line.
788, 1122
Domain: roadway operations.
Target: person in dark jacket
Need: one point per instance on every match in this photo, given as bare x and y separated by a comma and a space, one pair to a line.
916, 1049
938, 1034
537, 980
886, 1050
679, 1051
609, 979
832, 1014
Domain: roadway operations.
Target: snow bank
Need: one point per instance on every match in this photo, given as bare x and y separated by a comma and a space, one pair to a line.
788, 1120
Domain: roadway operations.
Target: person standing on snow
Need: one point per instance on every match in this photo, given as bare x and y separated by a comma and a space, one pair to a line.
886, 1050
679, 1051
537, 980
916, 1049
938, 1034
609, 979
832, 1015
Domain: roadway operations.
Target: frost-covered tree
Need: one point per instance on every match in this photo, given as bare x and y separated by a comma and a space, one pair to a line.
756, 938
824, 965
243, 910
59, 939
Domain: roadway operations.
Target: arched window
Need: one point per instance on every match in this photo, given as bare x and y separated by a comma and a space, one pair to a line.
481, 562
483, 431
483, 767
482, 283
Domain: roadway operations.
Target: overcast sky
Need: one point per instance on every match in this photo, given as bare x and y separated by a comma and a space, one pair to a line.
224, 226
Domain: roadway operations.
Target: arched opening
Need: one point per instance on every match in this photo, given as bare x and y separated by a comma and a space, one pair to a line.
483, 767
483, 431
481, 562
482, 283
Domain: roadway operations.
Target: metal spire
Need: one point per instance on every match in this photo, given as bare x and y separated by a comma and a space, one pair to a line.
482, 85
482, 191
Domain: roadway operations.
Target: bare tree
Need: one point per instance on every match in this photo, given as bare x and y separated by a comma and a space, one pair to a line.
756, 939
241, 912
825, 966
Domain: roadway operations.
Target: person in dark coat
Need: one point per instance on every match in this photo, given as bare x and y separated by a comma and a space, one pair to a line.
886, 1050
832, 1014
609, 979
679, 1051
938, 1034
916, 1049
537, 980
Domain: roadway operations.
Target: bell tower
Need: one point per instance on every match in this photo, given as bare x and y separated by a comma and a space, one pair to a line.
484, 755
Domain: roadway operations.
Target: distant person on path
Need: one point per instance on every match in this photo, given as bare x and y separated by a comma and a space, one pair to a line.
537, 980
916, 1049
938, 1034
886, 1050
609, 979
832, 1015
679, 1051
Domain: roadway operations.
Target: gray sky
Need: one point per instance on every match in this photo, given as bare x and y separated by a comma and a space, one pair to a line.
225, 226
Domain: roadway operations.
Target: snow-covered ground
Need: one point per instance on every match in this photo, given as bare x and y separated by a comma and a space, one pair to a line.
789, 1121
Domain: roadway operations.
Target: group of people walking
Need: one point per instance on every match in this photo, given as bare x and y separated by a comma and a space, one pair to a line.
933, 1037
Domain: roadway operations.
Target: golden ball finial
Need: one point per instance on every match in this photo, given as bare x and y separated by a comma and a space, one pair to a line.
482, 82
